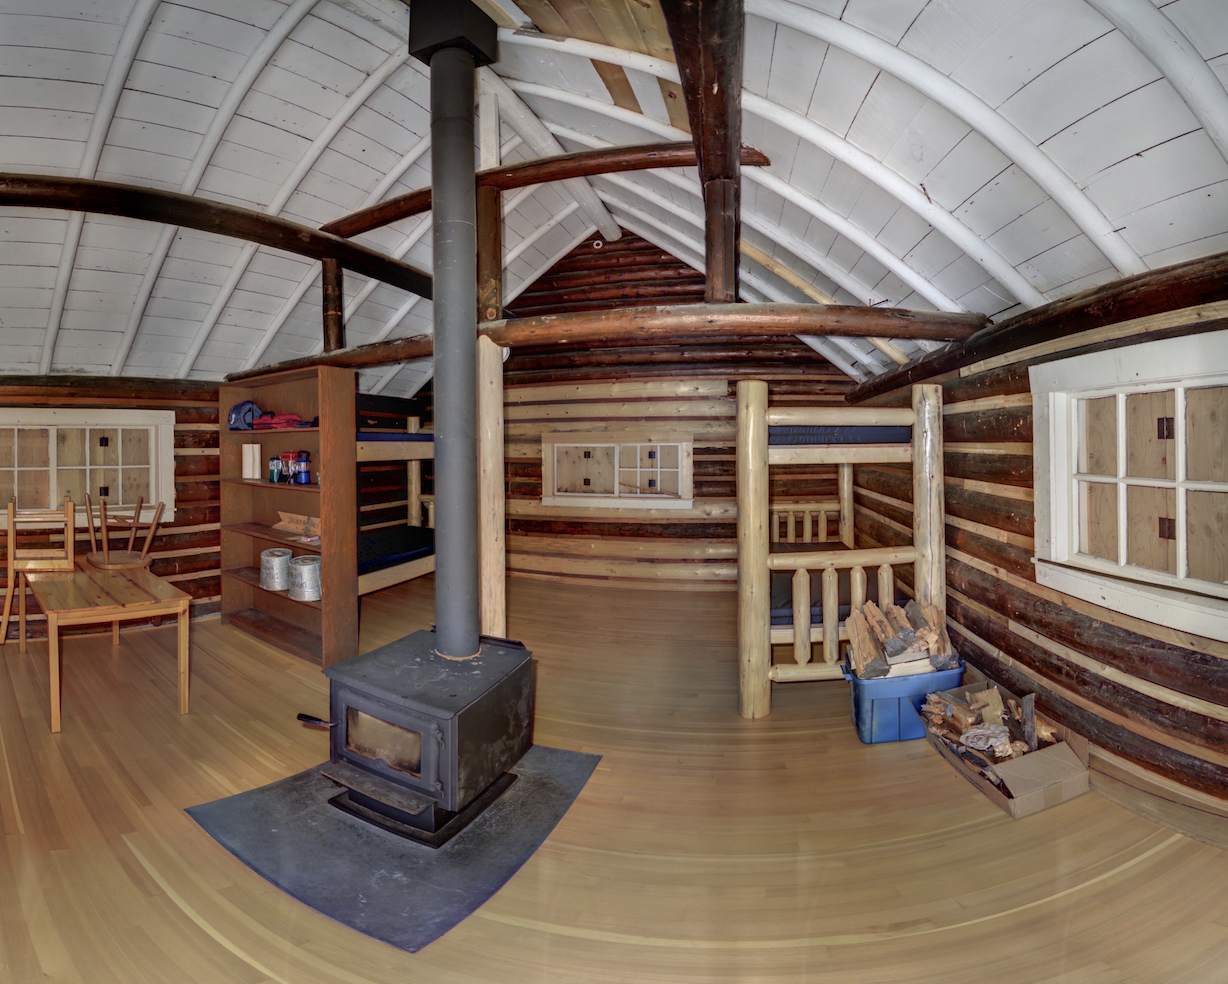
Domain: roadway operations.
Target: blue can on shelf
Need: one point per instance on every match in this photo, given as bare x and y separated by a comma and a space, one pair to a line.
889, 708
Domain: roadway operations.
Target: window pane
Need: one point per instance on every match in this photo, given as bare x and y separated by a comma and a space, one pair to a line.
669, 455
7, 489
574, 473
135, 485
72, 483
135, 444
33, 489
1098, 520
650, 456
1098, 449
1145, 545
100, 455
628, 482
1206, 520
1206, 435
1147, 454
669, 483
104, 484
33, 449
8, 447
70, 447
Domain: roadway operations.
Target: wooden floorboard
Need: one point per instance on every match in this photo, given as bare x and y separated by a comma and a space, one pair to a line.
705, 847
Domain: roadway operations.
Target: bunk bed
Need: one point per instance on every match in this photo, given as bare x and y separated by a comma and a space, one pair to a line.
799, 609
392, 552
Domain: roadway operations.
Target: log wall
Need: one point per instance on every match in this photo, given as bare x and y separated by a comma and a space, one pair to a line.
668, 547
187, 551
1152, 700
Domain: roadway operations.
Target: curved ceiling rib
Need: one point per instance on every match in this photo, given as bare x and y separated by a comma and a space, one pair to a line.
912, 197
525, 122
864, 241
288, 187
972, 110
100, 126
409, 159
235, 95
1169, 50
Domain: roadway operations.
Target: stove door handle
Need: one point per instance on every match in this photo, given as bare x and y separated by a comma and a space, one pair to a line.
312, 719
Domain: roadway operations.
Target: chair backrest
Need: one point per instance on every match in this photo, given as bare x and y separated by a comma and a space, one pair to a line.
47, 557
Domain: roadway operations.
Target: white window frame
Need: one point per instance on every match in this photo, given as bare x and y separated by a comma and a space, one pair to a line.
1155, 596
161, 449
553, 440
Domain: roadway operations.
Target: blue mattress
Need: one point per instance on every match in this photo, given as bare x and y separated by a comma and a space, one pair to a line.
852, 434
395, 436
393, 545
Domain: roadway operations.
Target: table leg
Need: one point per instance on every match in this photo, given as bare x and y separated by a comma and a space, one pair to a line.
183, 659
115, 633
53, 664
21, 616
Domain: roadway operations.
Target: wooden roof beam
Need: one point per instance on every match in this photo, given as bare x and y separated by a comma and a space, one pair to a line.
174, 209
558, 168
692, 322
1183, 285
707, 37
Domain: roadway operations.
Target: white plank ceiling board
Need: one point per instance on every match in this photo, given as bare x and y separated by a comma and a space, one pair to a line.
1202, 21
888, 19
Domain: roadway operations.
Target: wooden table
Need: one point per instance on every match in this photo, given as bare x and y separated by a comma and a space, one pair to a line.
88, 594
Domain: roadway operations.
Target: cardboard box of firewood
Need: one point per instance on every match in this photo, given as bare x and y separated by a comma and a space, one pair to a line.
998, 742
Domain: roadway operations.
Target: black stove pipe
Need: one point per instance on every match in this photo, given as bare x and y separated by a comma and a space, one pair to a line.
456, 327
454, 37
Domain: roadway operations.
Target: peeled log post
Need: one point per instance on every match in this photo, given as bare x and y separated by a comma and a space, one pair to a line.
928, 522
846, 504
801, 616
754, 583
886, 585
831, 616
492, 571
857, 588
334, 302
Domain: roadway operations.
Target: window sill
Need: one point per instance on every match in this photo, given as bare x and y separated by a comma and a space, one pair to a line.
616, 502
1181, 610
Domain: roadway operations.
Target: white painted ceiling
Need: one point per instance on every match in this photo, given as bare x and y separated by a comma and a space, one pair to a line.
963, 155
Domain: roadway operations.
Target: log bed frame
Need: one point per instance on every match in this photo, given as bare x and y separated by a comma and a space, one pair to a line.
758, 527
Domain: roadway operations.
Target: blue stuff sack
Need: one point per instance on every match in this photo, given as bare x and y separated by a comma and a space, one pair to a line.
243, 415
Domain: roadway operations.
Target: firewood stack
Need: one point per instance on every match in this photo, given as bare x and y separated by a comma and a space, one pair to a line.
901, 642
982, 731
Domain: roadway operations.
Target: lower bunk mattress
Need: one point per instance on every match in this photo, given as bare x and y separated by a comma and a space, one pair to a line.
392, 545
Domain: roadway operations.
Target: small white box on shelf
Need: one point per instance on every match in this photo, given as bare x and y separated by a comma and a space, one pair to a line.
251, 460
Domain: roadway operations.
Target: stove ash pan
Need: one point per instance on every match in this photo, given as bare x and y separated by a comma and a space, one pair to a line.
442, 727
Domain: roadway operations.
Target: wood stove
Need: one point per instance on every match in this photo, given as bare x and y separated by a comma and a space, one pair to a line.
421, 741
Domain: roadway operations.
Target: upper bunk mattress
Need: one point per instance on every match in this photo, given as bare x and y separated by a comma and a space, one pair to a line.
392, 545
839, 434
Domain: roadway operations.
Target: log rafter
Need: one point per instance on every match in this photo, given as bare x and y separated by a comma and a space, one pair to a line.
558, 168
681, 323
174, 209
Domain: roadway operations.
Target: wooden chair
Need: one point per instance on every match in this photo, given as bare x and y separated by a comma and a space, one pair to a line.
113, 560
29, 560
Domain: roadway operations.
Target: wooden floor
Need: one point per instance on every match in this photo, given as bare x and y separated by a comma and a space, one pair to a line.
705, 847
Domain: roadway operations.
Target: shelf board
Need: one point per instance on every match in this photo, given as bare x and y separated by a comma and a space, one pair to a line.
282, 537
275, 430
251, 575
260, 483
277, 632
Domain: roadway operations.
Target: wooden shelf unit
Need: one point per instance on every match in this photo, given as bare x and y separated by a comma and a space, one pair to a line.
324, 631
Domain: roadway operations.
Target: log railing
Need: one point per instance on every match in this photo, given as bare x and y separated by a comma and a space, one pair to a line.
830, 631
802, 522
